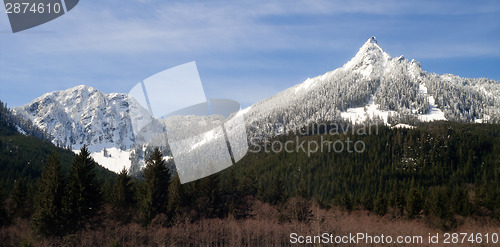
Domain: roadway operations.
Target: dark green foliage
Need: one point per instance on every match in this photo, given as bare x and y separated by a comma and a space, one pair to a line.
441, 154
20, 204
300, 205
48, 217
397, 198
460, 201
347, 202
368, 201
123, 191
275, 194
209, 197
440, 169
175, 198
12, 121
83, 196
439, 206
248, 184
4, 219
24, 156
156, 182
380, 205
231, 195
414, 202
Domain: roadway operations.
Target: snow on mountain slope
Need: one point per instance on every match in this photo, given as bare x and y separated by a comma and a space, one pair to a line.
370, 61
434, 114
84, 115
371, 86
360, 115
114, 159
375, 86
20, 130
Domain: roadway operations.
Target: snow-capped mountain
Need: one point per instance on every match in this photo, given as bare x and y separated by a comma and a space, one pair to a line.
371, 86
84, 115
375, 86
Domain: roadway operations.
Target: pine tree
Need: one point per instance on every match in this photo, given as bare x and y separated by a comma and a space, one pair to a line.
460, 201
247, 190
439, 203
19, 198
209, 201
347, 201
4, 219
397, 198
248, 184
380, 204
123, 191
302, 208
156, 182
414, 202
277, 192
47, 219
175, 198
83, 196
368, 201
231, 195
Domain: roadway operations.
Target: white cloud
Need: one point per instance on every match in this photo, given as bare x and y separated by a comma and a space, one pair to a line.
116, 40
214, 26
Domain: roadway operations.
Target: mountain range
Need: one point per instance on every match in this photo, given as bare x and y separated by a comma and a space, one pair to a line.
372, 86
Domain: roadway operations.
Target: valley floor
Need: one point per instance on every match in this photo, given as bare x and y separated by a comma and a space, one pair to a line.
262, 229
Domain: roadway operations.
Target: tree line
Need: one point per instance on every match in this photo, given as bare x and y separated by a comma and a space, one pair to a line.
438, 171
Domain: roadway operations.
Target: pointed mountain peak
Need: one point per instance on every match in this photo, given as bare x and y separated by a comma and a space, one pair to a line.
370, 44
370, 59
81, 88
371, 40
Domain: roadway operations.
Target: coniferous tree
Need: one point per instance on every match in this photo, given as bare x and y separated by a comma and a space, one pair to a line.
209, 201
246, 190
439, 206
83, 195
248, 184
368, 201
233, 199
48, 216
156, 182
380, 204
4, 219
302, 205
414, 202
175, 199
19, 198
397, 198
123, 191
460, 201
276, 194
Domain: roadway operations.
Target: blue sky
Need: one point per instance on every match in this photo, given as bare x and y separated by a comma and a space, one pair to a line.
245, 50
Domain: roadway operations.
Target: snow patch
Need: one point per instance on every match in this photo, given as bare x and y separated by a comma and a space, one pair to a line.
485, 119
114, 160
359, 115
20, 130
205, 138
403, 126
435, 114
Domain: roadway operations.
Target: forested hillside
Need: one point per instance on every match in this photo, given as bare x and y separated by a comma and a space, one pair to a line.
437, 168
437, 174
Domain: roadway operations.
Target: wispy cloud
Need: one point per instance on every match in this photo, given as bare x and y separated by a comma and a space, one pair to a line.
191, 26
108, 41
